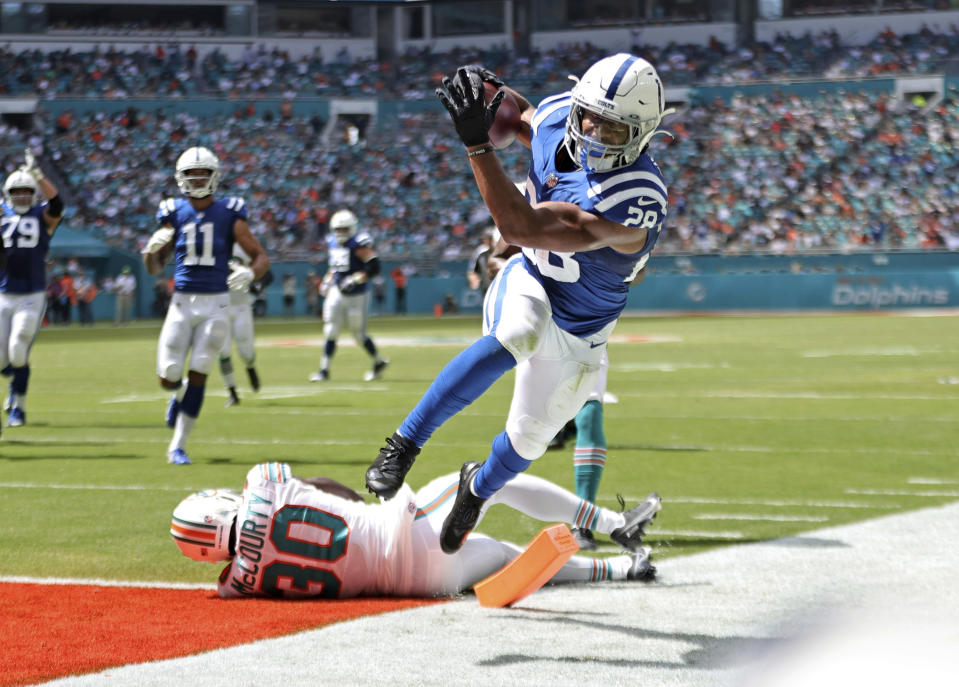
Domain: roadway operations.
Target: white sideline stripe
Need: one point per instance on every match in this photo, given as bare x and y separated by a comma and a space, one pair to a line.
259, 410
885, 419
667, 367
931, 480
103, 487
760, 517
670, 499
780, 503
901, 492
706, 448
98, 582
874, 352
805, 395
696, 533
272, 393
398, 341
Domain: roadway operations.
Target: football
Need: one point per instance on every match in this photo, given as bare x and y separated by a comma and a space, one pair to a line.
507, 122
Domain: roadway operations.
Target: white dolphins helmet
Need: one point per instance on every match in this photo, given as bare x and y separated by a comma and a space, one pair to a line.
203, 522
21, 182
622, 88
343, 223
197, 158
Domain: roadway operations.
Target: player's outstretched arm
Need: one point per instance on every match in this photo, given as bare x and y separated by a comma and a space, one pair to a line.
259, 261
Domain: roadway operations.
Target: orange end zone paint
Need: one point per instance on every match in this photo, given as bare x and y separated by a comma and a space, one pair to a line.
50, 631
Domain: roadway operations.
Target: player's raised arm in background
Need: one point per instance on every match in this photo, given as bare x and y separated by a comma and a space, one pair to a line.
53, 213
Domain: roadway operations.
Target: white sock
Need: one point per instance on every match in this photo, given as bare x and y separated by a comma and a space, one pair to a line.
543, 500
184, 425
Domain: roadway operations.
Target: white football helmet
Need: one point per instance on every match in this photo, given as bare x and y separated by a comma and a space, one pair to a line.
622, 88
203, 522
343, 223
197, 158
16, 188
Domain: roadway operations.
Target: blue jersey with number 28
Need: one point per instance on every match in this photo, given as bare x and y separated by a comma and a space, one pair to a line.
203, 243
587, 290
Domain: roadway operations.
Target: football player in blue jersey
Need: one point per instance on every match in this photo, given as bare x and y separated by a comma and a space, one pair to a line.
346, 289
28, 223
200, 232
594, 206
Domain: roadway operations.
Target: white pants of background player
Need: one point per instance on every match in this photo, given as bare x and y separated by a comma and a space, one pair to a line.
439, 574
196, 323
240, 314
341, 310
20, 317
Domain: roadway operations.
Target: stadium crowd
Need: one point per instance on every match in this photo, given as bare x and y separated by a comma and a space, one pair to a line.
177, 70
778, 173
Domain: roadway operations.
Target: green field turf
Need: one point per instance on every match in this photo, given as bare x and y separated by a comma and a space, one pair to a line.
749, 427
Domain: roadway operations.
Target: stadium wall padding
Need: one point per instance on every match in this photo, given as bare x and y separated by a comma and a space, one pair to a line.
703, 283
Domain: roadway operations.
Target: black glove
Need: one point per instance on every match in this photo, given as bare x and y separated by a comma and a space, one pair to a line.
463, 97
485, 74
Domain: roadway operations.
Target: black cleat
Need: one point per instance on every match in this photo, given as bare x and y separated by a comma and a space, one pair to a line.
584, 538
630, 535
377, 370
385, 475
562, 436
254, 378
465, 512
642, 569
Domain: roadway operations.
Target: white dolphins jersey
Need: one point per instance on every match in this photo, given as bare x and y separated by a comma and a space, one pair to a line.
293, 540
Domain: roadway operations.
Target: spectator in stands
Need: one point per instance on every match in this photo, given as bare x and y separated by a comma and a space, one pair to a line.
86, 291
399, 287
125, 287
289, 294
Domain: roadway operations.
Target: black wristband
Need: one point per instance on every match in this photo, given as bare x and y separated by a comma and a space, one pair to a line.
55, 206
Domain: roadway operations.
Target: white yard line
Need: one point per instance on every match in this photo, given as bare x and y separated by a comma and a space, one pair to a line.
781, 503
98, 582
760, 517
902, 492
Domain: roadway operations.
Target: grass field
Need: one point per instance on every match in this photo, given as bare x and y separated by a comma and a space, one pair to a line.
749, 427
